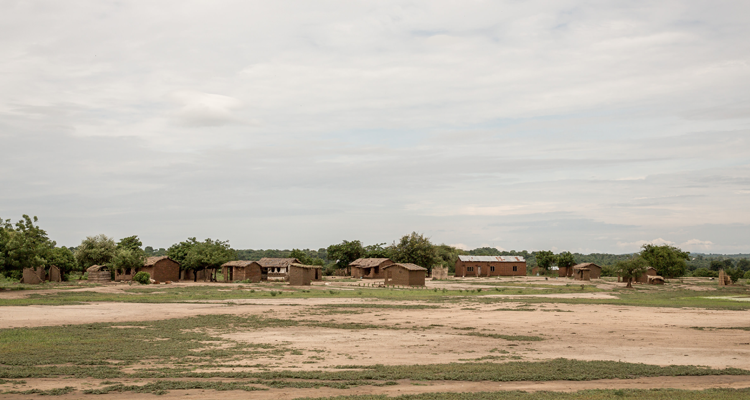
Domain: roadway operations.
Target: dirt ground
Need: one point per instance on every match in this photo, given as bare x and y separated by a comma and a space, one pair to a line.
438, 334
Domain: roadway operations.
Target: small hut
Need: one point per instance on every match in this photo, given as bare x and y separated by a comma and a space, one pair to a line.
278, 267
243, 270
595, 271
655, 280
303, 275
651, 271
34, 276
439, 273
99, 274
405, 274
582, 274
369, 268
54, 274
162, 269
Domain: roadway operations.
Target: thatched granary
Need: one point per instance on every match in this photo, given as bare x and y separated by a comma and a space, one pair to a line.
369, 268
303, 275
277, 267
595, 271
490, 266
243, 270
405, 274
98, 274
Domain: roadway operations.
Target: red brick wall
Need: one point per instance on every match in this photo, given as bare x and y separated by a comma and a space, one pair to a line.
472, 268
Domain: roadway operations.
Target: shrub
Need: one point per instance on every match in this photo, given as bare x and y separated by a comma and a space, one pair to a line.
705, 272
747, 275
142, 277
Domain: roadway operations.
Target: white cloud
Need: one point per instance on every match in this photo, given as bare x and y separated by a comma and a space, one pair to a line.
551, 126
199, 109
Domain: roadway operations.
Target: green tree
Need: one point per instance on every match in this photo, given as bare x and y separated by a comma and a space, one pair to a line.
415, 249
377, 250
209, 254
448, 256
545, 259
128, 254
179, 251
301, 256
632, 269
743, 264
23, 245
669, 261
64, 259
345, 252
125, 259
130, 242
95, 250
566, 260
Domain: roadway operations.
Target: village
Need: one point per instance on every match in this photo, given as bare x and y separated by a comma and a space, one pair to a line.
162, 269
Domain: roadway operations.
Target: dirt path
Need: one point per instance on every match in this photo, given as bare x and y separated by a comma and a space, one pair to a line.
403, 387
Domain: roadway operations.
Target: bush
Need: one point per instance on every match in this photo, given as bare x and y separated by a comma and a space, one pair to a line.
142, 277
705, 273
747, 275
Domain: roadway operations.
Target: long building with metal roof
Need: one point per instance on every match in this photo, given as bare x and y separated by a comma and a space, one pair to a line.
486, 266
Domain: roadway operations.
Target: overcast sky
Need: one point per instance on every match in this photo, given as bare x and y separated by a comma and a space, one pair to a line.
563, 125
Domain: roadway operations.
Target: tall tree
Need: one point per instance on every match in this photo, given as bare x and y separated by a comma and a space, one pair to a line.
95, 250
669, 261
209, 254
23, 245
743, 264
130, 242
345, 252
415, 249
128, 254
632, 269
377, 250
545, 259
301, 256
566, 260
63, 259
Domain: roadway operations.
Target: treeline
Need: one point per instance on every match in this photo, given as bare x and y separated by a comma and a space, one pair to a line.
25, 245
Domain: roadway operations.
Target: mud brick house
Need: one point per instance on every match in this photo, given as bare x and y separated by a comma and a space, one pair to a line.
651, 271
563, 272
490, 266
98, 274
582, 274
243, 270
404, 274
160, 269
278, 267
369, 268
303, 275
595, 271
39, 275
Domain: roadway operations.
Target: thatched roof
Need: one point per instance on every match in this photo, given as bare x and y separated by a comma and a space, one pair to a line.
306, 266
586, 265
266, 262
239, 263
151, 261
409, 266
368, 262
97, 268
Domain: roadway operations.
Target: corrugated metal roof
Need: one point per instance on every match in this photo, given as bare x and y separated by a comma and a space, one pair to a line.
491, 258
